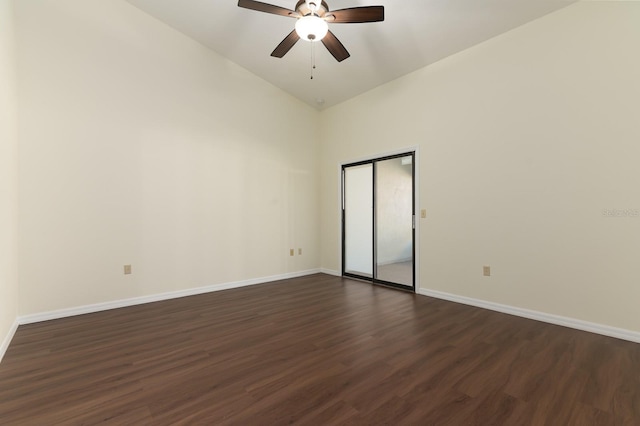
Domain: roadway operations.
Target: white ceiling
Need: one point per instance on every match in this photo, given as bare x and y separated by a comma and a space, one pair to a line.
415, 33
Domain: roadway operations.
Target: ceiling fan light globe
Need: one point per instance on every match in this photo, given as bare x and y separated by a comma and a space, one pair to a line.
311, 28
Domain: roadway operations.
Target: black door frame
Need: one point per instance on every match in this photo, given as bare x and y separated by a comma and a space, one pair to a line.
373, 279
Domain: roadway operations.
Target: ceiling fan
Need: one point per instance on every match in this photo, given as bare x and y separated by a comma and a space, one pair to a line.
313, 17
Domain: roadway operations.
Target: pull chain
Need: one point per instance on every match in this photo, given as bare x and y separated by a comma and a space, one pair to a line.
312, 7
313, 58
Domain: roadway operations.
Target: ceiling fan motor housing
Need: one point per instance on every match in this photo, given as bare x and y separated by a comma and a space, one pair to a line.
321, 9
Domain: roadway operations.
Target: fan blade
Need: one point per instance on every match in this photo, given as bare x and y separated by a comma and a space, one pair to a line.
334, 47
286, 44
264, 7
358, 15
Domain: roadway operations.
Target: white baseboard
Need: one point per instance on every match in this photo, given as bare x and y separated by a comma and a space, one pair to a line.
97, 307
7, 338
605, 330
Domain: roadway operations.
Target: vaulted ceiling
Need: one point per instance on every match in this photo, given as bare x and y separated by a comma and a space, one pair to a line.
415, 33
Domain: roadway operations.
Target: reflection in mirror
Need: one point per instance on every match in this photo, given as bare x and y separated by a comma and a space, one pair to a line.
394, 220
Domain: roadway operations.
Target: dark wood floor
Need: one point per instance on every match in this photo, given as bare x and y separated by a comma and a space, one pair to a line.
317, 350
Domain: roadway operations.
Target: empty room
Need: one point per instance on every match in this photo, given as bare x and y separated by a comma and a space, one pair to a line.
319, 213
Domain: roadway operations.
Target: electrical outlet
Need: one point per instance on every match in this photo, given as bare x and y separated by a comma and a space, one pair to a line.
291, 252
486, 271
127, 269
300, 252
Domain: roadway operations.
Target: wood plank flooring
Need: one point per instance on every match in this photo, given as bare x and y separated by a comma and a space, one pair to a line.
316, 350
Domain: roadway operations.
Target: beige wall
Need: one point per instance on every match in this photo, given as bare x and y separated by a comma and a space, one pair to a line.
8, 175
524, 141
140, 146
